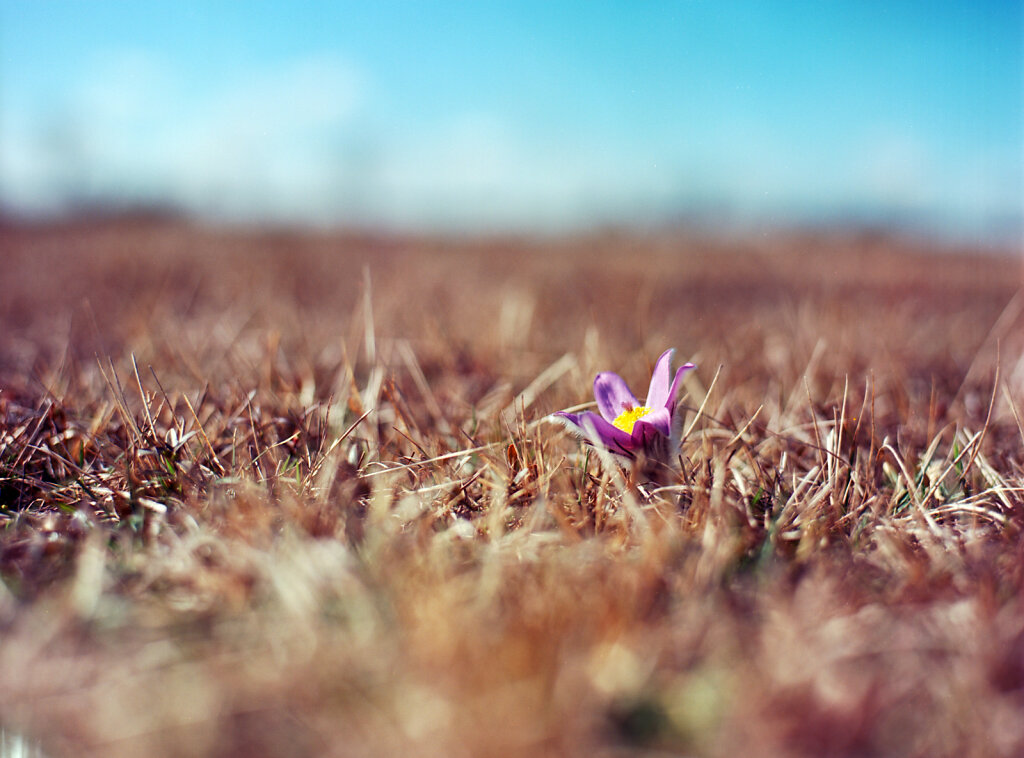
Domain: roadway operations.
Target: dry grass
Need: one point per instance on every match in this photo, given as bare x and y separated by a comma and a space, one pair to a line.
293, 494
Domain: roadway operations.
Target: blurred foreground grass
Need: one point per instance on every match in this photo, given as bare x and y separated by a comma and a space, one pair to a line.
281, 493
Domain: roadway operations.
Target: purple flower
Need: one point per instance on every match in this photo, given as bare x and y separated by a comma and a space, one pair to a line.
626, 426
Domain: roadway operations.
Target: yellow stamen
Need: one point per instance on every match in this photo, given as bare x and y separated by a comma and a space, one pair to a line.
629, 417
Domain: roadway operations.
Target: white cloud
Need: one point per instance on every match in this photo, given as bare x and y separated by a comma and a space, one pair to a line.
292, 142
265, 146
301, 141
894, 168
477, 170
130, 132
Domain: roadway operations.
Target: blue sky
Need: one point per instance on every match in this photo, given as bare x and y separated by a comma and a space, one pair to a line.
534, 116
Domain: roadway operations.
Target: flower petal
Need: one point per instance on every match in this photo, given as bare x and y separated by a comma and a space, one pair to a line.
646, 436
567, 419
670, 403
660, 420
657, 395
612, 395
609, 436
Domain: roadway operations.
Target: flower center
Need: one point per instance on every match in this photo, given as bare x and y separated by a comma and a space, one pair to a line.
629, 417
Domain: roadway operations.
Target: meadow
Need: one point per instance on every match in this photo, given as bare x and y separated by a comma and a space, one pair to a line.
280, 492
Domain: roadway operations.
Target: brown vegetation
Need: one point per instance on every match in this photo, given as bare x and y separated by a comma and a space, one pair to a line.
282, 493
